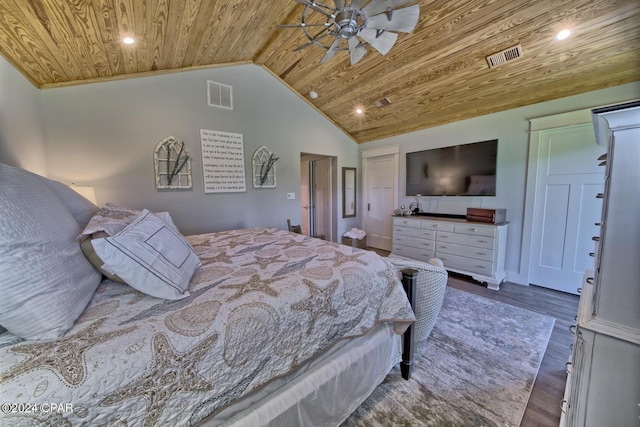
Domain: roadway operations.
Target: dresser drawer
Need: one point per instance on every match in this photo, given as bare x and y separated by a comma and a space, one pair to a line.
473, 229
436, 225
467, 264
414, 242
466, 239
406, 222
465, 251
414, 232
411, 252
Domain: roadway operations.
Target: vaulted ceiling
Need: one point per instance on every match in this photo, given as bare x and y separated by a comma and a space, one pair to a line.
435, 75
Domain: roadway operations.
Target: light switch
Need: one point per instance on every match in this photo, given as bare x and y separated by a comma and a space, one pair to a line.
291, 196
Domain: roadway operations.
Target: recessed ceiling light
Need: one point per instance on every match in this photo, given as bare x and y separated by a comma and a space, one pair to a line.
563, 34
128, 40
313, 94
359, 111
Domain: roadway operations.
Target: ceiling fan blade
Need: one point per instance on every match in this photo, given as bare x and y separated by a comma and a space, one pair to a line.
404, 20
381, 42
318, 8
378, 6
339, 4
318, 37
356, 3
332, 50
300, 25
356, 50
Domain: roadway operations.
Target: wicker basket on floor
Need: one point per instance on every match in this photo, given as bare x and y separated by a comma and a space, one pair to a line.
430, 287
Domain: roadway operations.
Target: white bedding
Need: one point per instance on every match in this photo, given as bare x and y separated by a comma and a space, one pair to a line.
264, 302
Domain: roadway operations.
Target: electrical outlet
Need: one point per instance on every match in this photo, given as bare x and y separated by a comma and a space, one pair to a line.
291, 196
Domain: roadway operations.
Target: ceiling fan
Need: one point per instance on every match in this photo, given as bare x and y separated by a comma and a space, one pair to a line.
359, 22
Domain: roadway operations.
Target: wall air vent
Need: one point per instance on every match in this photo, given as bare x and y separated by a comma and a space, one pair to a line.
383, 102
219, 95
505, 56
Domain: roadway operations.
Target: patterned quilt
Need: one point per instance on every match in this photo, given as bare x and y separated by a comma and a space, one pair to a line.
264, 302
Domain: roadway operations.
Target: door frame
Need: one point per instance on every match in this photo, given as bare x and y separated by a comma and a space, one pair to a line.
536, 128
366, 155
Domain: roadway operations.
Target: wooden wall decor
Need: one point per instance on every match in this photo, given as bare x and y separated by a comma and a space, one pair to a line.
172, 163
264, 168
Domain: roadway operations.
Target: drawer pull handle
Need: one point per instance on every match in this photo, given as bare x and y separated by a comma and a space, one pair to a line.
473, 229
572, 329
435, 226
443, 247
444, 237
481, 266
589, 280
480, 253
595, 238
482, 241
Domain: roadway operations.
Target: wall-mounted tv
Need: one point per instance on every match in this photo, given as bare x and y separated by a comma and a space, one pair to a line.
461, 170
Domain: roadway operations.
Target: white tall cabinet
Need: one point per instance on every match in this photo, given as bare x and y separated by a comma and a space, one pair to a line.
603, 382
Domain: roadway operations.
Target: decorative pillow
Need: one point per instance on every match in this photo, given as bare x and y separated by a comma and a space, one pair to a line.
81, 208
45, 280
112, 219
149, 256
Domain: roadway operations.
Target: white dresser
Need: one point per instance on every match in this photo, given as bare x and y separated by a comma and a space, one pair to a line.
603, 381
471, 248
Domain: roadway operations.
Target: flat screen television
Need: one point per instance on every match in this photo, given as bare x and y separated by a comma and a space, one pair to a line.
460, 170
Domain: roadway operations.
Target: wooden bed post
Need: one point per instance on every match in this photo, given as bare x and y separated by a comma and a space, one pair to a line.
409, 278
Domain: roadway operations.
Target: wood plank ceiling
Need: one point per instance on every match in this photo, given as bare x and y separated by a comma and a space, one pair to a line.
436, 75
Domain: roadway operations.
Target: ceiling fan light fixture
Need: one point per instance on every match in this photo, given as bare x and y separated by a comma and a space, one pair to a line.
372, 25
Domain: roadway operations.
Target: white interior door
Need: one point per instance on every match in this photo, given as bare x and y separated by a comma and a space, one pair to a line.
304, 196
566, 207
322, 196
380, 190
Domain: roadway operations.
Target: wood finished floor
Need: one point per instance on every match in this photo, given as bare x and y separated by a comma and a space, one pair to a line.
543, 409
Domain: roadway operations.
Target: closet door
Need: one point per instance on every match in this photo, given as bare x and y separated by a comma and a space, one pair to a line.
566, 208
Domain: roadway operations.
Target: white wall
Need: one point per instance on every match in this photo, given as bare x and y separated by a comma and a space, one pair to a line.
511, 129
21, 134
104, 134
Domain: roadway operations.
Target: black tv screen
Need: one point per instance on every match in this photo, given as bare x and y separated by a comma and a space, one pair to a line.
461, 170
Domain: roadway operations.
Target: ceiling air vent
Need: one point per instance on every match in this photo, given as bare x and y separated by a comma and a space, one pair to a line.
505, 56
383, 102
219, 95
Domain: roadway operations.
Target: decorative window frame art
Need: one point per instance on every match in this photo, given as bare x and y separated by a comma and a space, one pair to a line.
172, 163
264, 168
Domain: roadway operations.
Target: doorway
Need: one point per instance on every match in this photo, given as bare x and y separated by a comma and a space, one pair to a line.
565, 180
380, 194
318, 195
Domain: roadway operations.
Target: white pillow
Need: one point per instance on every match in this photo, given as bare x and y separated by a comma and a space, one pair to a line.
45, 280
149, 256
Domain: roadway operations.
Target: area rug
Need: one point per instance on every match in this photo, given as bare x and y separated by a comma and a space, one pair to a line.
477, 368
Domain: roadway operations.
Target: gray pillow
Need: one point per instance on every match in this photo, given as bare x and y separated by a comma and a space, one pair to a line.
45, 280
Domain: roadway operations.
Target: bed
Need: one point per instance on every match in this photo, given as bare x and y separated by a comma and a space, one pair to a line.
270, 327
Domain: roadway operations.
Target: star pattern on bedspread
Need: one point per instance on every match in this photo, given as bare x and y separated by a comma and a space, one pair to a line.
255, 284
65, 356
264, 262
289, 244
341, 258
319, 302
221, 257
172, 373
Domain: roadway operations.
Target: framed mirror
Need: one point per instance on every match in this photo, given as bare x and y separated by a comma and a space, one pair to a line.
348, 192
